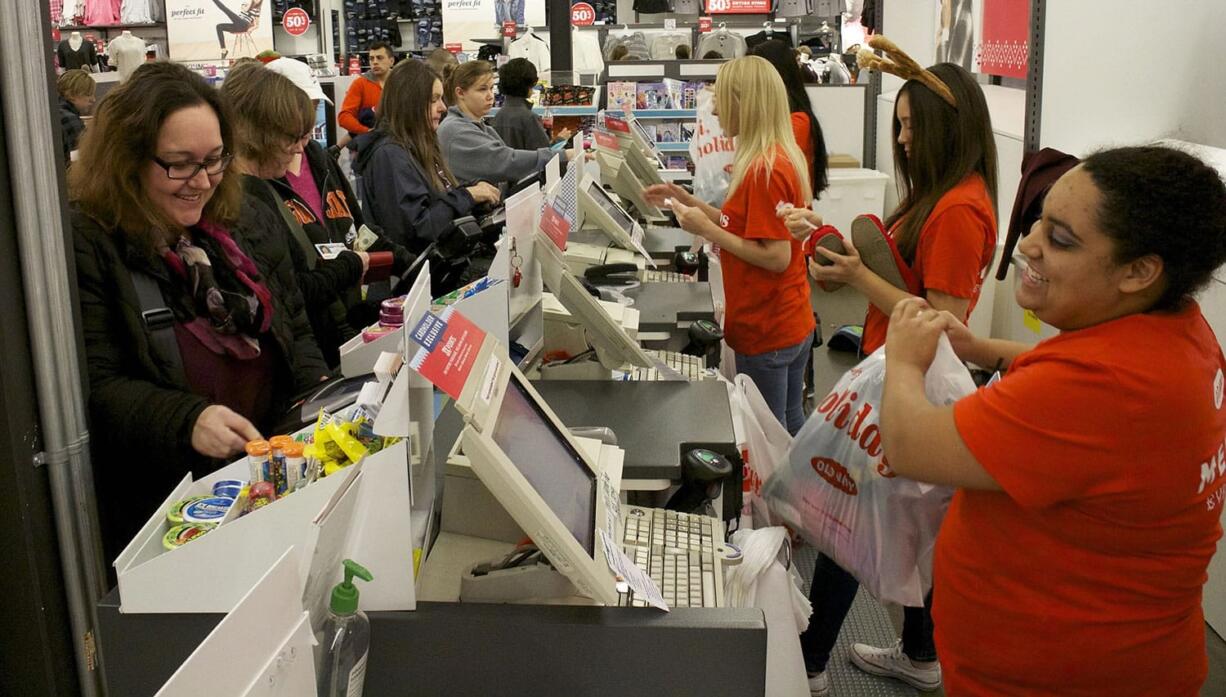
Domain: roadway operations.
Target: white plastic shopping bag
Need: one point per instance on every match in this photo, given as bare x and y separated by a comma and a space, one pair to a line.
762, 442
836, 488
711, 152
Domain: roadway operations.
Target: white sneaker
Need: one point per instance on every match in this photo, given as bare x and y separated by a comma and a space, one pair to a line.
893, 663
819, 685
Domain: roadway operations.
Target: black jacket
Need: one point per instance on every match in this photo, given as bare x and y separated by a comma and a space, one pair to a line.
327, 285
141, 410
71, 127
342, 218
518, 126
396, 193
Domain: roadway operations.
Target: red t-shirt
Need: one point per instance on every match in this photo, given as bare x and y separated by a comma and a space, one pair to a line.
766, 311
955, 251
1084, 576
800, 129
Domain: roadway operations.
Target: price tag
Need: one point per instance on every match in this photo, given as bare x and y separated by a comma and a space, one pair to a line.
296, 21
454, 48
582, 14
510, 29
670, 23
704, 25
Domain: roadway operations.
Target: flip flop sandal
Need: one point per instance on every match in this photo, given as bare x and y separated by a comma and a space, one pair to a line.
880, 255
826, 237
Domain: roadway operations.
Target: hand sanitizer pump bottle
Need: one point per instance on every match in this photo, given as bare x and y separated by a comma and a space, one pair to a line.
346, 639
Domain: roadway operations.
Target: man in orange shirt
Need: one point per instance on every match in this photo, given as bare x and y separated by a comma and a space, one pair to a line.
357, 113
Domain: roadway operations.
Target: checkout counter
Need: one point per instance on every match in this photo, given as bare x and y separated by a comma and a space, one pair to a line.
460, 648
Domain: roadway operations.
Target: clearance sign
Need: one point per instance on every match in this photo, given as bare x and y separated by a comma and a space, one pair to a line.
738, 7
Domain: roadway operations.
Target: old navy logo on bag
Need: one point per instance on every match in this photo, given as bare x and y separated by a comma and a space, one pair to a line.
428, 331
859, 424
834, 473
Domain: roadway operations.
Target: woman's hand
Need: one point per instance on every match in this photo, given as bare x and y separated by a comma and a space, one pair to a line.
220, 432
800, 221
657, 193
365, 257
912, 337
844, 268
963, 341
563, 135
692, 219
485, 192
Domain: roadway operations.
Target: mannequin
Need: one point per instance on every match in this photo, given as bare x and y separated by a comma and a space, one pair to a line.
127, 52
76, 52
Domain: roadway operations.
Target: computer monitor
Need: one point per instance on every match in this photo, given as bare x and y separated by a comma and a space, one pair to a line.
528, 461
646, 168
640, 137
550, 463
613, 345
599, 207
627, 185
325, 116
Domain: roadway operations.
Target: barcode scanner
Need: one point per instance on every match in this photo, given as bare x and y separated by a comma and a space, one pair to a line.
705, 336
702, 477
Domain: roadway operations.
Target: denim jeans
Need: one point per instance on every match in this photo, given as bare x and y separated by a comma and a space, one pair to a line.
831, 595
780, 377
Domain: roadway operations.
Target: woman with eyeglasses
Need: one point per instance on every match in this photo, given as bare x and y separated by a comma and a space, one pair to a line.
194, 327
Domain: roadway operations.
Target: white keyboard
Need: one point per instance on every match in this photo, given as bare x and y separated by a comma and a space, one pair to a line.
690, 367
657, 276
679, 551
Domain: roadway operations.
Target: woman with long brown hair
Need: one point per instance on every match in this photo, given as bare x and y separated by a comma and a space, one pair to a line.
194, 327
407, 187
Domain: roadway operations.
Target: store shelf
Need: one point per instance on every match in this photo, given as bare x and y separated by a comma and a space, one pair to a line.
666, 113
86, 27
557, 111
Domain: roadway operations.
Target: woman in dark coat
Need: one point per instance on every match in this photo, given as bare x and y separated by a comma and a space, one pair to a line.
196, 337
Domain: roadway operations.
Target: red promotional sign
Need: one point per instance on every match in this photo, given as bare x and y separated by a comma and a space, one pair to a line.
738, 7
582, 14
355, 68
449, 346
607, 141
296, 21
555, 226
510, 29
704, 25
616, 124
454, 48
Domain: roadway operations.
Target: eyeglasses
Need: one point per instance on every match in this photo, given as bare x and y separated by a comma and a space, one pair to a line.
187, 170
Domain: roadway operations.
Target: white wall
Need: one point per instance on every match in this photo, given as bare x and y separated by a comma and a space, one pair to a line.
912, 25
1127, 71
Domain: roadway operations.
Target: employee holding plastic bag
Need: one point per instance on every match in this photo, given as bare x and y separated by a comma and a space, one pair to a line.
1091, 476
769, 322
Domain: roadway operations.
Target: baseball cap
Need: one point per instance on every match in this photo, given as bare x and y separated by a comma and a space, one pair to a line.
300, 74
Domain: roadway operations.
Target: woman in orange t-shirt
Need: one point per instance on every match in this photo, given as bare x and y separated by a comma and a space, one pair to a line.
1093, 475
945, 231
768, 320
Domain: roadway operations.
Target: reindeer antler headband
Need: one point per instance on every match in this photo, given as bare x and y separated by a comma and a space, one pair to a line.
897, 62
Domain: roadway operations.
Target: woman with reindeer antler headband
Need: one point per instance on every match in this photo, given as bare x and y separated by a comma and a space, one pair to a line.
937, 245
